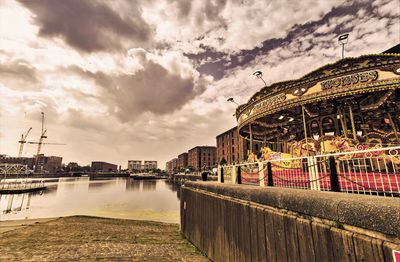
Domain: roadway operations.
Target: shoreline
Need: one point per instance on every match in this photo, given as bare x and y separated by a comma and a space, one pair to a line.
8, 225
74, 238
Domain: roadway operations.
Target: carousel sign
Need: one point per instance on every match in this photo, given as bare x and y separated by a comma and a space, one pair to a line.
267, 103
353, 79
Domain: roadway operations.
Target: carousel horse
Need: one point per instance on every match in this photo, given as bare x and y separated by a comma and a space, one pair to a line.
303, 148
268, 154
335, 144
252, 158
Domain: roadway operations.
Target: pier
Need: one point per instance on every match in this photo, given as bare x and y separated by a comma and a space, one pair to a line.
20, 187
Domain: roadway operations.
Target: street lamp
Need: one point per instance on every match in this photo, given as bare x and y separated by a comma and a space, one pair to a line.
232, 101
343, 39
259, 74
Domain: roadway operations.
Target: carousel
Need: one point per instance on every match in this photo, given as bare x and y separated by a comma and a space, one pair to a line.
350, 105
348, 110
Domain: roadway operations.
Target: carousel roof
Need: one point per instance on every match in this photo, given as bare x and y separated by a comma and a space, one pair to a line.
349, 76
392, 50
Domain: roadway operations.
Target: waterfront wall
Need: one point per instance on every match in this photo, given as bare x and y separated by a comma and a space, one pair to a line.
65, 174
247, 223
181, 178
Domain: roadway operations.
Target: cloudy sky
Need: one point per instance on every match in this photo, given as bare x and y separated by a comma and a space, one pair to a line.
149, 79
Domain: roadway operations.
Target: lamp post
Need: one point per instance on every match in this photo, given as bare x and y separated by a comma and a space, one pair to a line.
343, 39
259, 74
231, 100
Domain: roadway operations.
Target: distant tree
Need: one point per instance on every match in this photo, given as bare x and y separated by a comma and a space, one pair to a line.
85, 168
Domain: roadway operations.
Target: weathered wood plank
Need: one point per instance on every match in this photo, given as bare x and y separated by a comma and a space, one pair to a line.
343, 247
292, 246
262, 245
377, 249
229, 242
322, 242
305, 240
254, 245
279, 236
246, 232
239, 213
270, 236
366, 249
221, 225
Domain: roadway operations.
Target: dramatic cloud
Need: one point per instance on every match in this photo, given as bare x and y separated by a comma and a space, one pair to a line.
151, 90
361, 18
149, 79
151, 84
90, 25
18, 74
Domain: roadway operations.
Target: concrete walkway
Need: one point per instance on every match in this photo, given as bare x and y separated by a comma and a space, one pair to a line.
89, 238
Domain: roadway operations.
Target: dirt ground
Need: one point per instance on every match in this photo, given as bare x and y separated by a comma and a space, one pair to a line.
92, 239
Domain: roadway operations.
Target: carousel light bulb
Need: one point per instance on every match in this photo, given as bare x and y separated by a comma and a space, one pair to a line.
281, 117
303, 89
296, 91
291, 119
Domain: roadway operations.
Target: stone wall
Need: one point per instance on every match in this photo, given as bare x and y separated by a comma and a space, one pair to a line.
248, 223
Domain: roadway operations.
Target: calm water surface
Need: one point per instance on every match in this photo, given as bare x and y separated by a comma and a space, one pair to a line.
155, 200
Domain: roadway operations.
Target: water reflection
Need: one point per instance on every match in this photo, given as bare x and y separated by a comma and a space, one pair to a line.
149, 185
119, 197
14, 203
175, 187
132, 185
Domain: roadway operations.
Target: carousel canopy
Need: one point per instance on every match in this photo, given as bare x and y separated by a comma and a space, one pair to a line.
364, 84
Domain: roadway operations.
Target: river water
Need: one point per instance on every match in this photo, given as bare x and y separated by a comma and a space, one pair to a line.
155, 200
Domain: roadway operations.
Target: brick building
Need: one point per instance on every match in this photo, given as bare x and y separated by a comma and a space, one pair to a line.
202, 157
228, 147
99, 166
183, 160
172, 165
50, 163
231, 147
168, 166
175, 164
